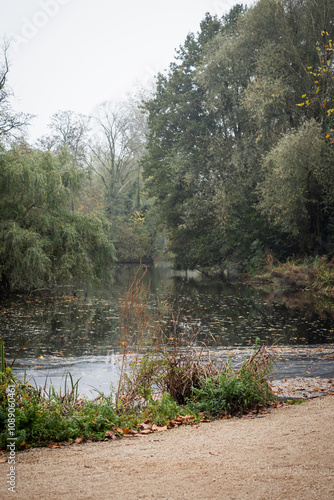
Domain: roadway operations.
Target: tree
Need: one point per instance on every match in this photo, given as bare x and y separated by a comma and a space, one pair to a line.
12, 124
215, 121
42, 240
114, 150
69, 131
297, 193
178, 163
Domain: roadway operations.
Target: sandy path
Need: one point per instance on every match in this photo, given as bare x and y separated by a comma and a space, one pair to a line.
287, 454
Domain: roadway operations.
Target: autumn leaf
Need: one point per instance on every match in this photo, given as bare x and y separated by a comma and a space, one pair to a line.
110, 435
146, 427
156, 428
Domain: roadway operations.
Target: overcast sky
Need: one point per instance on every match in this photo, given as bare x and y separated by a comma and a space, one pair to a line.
75, 54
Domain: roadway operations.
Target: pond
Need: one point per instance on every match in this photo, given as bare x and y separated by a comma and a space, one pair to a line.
76, 329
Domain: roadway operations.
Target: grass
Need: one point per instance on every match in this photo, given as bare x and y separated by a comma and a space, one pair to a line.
316, 275
165, 374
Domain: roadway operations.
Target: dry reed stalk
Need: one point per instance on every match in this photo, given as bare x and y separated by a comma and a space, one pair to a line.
140, 329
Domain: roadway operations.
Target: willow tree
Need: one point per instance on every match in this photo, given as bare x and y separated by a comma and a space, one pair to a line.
297, 192
42, 240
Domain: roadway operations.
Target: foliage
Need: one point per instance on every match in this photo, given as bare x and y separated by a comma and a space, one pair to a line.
237, 164
42, 239
297, 191
235, 390
45, 417
162, 410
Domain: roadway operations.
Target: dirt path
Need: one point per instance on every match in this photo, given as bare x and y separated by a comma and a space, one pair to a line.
287, 454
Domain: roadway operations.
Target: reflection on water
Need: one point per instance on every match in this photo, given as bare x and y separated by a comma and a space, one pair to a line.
77, 328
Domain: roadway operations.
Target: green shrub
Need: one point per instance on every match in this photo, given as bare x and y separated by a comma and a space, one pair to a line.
161, 411
235, 390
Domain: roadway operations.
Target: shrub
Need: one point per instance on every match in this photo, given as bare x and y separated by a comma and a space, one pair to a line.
235, 390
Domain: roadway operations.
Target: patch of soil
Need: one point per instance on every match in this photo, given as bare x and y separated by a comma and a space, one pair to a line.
286, 453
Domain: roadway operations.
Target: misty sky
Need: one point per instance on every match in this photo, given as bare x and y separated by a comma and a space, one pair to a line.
74, 54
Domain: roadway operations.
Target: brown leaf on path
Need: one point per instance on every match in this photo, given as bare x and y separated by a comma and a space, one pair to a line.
146, 426
119, 430
146, 431
156, 428
52, 444
2, 460
132, 432
78, 440
110, 435
215, 453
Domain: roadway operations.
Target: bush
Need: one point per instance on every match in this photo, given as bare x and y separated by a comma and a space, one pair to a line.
235, 390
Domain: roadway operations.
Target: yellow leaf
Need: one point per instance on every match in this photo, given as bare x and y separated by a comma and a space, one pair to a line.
303, 96
328, 135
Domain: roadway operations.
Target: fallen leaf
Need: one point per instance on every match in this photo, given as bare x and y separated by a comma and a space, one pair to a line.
159, 429
145, 427
110, 435
2, 461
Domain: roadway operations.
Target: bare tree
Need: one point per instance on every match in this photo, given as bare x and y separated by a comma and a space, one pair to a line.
12, 124
116, 147
68, 130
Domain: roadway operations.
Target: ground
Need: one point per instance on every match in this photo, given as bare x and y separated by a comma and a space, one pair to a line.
285, 454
